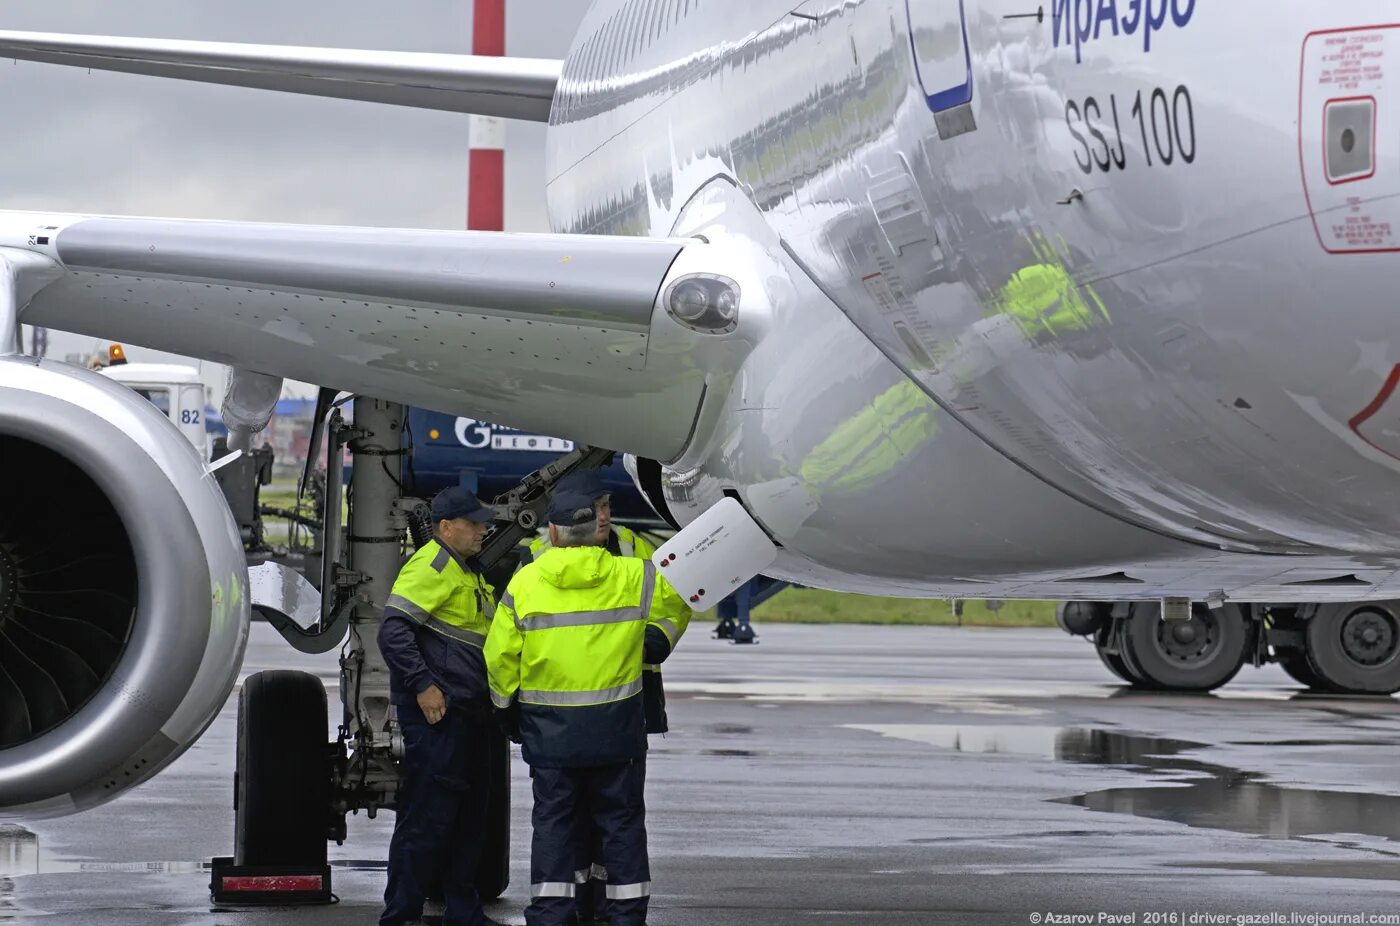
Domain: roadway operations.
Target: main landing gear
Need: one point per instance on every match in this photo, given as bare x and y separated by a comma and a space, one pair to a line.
1342, 648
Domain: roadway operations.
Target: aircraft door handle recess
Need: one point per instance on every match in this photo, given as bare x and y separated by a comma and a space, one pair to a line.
943, 63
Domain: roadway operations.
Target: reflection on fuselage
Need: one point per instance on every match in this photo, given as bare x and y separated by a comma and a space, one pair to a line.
1173, 320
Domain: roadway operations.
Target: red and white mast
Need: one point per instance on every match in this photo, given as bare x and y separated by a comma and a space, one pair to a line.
486, 167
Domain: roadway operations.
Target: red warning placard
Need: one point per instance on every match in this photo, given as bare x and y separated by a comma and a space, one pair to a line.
1349, 136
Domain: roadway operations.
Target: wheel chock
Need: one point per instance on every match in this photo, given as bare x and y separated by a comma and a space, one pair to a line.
264, 885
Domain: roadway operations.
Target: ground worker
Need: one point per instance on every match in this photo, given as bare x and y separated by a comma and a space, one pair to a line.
434, 627
622, 541
619, 541
564, 661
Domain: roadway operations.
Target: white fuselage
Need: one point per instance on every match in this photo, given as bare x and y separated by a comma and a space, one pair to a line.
1086, 300
1131, 314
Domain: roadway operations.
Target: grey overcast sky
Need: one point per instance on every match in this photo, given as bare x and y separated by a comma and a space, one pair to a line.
122, 144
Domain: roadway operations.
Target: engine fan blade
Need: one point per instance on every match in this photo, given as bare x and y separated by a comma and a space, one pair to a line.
97, 647
107, 609
15, 725
73, 676
44, 698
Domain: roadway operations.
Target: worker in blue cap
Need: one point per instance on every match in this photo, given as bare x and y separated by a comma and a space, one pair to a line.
432, 634
564, 661
619, 541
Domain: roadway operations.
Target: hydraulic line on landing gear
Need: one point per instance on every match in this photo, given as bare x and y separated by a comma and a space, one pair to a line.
520, 512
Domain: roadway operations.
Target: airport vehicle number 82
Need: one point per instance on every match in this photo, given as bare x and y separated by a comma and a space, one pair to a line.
1165, 120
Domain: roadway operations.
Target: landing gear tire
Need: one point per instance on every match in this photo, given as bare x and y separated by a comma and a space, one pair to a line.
1113, 660
282, 788
1294, 659
1295, 663
1355, 647
493, 871
1199, 654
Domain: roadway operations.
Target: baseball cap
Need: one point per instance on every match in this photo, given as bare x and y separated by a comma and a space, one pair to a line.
567, 509
585, 482
456, 502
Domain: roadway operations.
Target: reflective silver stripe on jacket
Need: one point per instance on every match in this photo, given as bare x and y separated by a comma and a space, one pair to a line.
581, 876
461, 635
598, 872
579, 618
649, 667
508, 601
444, 556
629, 891
410, 610
648, 586
419, 616
580, 698
669, 628
553, 889
502, 701
625, 547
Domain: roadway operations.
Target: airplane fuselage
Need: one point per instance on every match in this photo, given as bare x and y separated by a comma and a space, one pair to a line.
1109, 279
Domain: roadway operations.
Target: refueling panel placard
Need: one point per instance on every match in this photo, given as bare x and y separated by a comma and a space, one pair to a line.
1349, 138
715, 554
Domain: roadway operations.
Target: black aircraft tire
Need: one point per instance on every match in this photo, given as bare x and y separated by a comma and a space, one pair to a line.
1197, 655
1295, 663
282, 785
493, 871
1355, 648
1114, 661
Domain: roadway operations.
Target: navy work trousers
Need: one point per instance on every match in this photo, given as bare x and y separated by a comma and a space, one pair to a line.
441, 818
613, 798
592, 873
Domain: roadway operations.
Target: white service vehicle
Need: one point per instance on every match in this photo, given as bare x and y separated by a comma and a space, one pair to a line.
173, 388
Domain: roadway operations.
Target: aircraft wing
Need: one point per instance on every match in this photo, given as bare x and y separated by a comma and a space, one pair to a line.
556, 334
514, 88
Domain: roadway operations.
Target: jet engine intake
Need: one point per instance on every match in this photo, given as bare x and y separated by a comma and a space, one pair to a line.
123, 590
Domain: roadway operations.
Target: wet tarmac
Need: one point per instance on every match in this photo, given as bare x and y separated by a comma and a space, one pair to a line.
892, 775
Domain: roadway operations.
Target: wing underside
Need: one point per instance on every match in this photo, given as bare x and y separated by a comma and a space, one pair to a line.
515, 88
555, 333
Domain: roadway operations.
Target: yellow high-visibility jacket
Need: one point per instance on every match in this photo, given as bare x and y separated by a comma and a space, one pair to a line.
434, 626
633, 545
629, 544
567, 644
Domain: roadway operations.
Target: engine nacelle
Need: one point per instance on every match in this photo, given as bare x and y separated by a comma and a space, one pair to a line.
124, 606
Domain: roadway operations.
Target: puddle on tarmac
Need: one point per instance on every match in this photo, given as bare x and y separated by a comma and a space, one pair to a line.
1352, 869
729, 729
741, 753
1186, 790
20, 854
9, 907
